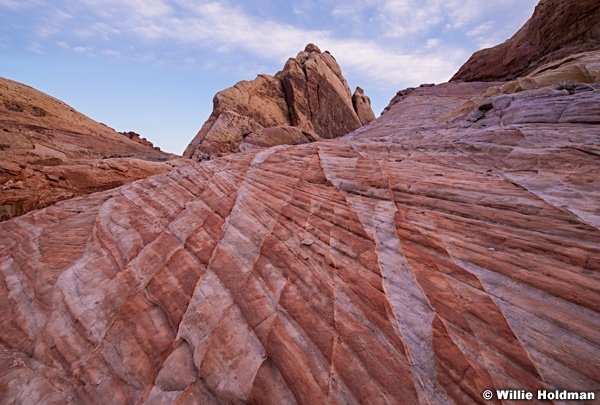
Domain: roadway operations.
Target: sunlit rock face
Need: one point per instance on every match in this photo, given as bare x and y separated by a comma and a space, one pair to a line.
49, 152
421, 259
307, 101
556, 30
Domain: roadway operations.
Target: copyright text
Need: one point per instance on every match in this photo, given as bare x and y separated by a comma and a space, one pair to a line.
540, 395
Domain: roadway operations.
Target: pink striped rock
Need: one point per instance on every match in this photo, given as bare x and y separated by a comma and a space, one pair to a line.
412, 261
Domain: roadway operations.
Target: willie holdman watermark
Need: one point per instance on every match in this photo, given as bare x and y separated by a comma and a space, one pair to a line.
540, 395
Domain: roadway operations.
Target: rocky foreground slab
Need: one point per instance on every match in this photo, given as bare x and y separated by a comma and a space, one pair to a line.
431, 255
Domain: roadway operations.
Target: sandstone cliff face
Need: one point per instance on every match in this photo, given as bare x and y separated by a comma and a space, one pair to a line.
50, 152
556, 30
310, 94
423, 259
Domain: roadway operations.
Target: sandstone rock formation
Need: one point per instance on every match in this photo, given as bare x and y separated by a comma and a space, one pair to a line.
402, 94
362, 106
423, 258
137, 137
49, 152
449, 247
561, 91
556, 30
310, 94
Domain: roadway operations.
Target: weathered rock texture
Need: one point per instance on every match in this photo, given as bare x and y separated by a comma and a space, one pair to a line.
561, 91
50, 152
310, 94
420, 259
556, 30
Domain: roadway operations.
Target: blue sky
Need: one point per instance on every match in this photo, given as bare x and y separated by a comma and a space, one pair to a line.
153, 66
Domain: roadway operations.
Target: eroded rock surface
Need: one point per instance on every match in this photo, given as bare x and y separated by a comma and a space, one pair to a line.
557, 29
563, 91
49, 152
310, 94
412, 261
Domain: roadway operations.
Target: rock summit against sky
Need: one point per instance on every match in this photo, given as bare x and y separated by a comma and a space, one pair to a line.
307, 101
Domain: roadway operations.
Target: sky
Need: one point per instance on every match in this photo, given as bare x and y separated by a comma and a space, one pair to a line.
153, 66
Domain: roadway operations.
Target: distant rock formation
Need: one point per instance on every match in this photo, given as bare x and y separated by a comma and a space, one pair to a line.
362, 106
402, 94
309, 94
137, 138
556, 30
49, 152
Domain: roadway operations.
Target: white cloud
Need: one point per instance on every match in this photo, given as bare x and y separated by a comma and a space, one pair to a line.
129, 8
433, 43
10, 4
407, 41
111, 54
14, 4
36, 47
53, 23
385, 68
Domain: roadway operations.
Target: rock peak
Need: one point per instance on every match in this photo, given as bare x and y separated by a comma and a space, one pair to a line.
306, 101
312, 48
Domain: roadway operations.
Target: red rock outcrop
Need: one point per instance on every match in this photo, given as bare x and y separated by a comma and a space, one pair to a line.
49, 152
423, 258
556, 30
310, 94
137, 137
451, 246
402, 94
362, 106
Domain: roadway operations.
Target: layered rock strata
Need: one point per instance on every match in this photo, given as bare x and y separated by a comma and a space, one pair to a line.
413, 261
556, 30
309, 94
49, 152
451, 246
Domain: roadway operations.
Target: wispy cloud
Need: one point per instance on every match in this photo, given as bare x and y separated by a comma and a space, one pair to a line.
131, 8
385, 41
14, 4
53, 23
